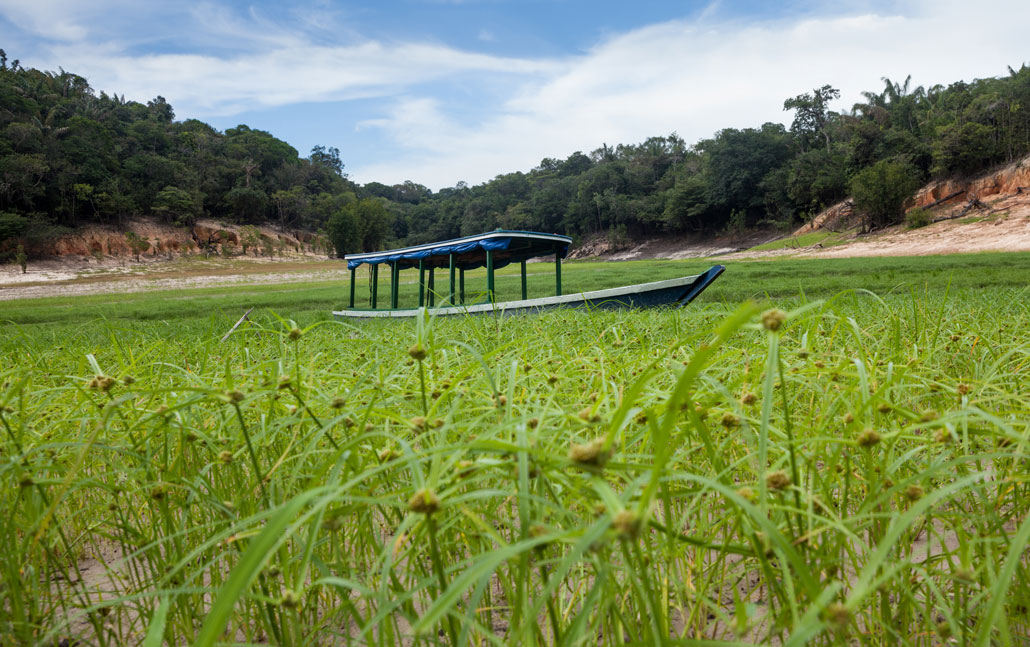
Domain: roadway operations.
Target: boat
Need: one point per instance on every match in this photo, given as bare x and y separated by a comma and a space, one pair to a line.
494, 250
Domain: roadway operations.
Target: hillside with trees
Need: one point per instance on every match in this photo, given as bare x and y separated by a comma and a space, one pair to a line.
70, 156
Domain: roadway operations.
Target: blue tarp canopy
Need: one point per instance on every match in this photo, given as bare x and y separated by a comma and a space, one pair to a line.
470, 252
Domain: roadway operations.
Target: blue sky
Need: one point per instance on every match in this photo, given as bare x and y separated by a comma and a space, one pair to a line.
441, 91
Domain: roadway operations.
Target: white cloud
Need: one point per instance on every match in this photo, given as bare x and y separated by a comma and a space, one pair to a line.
695, 77
213, 85
57, 19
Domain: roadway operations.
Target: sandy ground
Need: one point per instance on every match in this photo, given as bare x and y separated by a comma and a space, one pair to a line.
1003, 227
63, 278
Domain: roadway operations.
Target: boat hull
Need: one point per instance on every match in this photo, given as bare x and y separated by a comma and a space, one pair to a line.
670, 292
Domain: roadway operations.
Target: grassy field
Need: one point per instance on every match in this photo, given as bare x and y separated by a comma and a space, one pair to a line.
827, 238
816, 451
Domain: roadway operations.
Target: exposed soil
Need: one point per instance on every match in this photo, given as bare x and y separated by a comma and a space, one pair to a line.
1001, 225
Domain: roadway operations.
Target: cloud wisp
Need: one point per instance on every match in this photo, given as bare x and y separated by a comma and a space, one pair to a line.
697, 76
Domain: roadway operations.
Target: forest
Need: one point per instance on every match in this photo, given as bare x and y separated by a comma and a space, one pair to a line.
70, 156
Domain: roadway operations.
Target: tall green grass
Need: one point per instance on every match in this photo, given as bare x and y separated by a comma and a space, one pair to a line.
844, 469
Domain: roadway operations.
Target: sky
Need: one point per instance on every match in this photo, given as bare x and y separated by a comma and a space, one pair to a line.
442, 91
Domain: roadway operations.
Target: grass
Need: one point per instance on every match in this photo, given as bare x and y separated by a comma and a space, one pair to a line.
829, 466
826, 238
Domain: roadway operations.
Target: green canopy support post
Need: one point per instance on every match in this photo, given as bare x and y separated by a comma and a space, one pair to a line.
490, 274
432, 288
524, 297
421, 283
352, 279
461, 285
557, 270
375, 286
450, 293
395, 284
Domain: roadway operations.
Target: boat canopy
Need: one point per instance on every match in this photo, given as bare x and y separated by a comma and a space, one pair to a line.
470, 252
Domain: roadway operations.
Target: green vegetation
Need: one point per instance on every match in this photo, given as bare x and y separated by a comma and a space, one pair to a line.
827, 468
69, 157
916, 218
825, 238
881, 190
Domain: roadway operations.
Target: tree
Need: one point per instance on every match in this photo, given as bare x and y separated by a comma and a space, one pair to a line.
328, 158
287, 204
963, 148
247, 204
12, 225
343, 232
249, 237
21, 259
881, 190
177, 206
811, 114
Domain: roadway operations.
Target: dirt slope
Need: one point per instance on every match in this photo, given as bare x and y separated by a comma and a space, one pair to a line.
990, 213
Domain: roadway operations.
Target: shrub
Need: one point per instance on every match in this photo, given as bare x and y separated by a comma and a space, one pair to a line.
881, 190
916, 218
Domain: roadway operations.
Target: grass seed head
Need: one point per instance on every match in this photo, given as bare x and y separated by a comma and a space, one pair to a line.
587, 415
418, 422
424, 501
729, 421
627, 524
338, 403
225, 457
591, 454
295, 334
291, 599
943, 630
773, 319
102, 383
747, 493
25, 481
848, 418
748, 398
285, 381
838, 615
417, 353
942, 435
532, 423
868, 438
962, 388
128, 379
387, 455
914, 492
778, 480
552, 379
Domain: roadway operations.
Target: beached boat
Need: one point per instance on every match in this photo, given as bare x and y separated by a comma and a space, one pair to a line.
495, 250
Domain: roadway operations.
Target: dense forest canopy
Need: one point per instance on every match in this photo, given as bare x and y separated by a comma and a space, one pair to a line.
69, 156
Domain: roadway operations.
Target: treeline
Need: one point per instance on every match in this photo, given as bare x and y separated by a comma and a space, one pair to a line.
879, 152
69, 156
